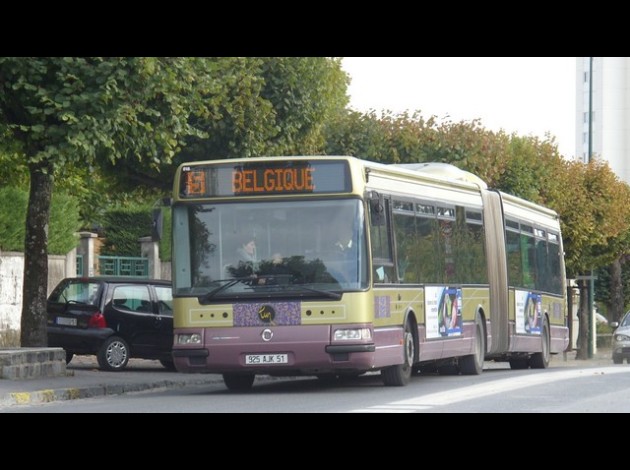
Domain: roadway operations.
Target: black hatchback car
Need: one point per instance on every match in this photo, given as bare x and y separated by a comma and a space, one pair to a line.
114, 318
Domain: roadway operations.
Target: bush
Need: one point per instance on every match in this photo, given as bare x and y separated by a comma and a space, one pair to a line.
167, 231
64, 221
123, 227
12, 218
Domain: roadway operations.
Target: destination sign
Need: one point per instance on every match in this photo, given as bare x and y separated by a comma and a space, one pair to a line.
259, 178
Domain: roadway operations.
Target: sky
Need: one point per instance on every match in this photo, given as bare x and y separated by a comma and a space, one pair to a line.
529, 96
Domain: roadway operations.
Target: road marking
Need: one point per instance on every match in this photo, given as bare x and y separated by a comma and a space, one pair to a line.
493, 387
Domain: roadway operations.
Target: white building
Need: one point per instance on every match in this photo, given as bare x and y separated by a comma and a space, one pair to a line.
610, 111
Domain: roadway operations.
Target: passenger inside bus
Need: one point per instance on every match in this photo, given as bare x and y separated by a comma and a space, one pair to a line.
245, 260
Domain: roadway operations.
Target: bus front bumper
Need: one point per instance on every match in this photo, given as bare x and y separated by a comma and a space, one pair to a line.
284, 350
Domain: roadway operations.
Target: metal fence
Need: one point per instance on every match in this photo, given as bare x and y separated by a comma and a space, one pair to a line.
123, 266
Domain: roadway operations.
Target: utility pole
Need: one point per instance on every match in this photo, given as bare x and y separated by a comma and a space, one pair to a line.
591, 286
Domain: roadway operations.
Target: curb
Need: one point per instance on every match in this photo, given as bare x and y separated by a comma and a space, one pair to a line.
75, 393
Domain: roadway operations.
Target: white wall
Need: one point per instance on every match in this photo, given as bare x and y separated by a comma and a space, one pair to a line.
11, 278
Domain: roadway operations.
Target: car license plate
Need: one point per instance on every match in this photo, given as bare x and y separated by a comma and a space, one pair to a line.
66, 321
265, 359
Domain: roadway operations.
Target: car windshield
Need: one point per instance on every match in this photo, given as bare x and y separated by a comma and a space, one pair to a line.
280, 248
626, 320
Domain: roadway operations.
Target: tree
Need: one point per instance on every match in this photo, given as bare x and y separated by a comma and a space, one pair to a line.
67, 112
257, 106
594, 208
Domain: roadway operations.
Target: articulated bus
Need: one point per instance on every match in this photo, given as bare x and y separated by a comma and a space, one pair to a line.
435, 271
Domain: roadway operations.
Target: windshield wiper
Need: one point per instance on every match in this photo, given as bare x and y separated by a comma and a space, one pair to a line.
203, 299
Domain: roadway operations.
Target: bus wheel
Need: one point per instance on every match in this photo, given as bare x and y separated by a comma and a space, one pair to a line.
473, 364
540, 360
239, 382
399, 375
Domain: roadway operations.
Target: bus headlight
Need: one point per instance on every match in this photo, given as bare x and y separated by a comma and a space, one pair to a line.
189, 338
352, 334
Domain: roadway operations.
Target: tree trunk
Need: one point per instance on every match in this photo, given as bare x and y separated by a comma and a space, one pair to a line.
34, 294
582, 343
616, 292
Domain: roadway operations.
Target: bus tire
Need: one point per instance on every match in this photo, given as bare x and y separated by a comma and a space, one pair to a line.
473, 363
239, 382
540, 360
399, 375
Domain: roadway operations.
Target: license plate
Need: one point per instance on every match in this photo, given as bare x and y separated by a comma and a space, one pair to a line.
66, 321
265, 359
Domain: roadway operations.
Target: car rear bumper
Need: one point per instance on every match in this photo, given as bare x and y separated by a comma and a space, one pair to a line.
79, 341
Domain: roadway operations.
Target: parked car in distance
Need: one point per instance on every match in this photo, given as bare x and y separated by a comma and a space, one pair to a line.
113, 318
621, 340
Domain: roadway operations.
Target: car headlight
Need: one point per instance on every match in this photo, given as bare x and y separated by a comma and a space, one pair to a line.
189, 338
620, 338
352, 334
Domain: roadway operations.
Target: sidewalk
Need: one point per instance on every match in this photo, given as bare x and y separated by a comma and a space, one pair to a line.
84, 380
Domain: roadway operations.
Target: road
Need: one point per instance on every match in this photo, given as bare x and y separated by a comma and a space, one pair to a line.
589, 389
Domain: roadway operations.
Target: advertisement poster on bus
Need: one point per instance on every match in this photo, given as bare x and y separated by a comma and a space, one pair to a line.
443, 307
528, 312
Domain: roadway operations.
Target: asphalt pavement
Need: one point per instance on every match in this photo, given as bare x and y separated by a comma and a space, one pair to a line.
83, 379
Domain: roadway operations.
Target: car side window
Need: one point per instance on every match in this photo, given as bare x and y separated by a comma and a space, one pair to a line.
132, 298
165, 300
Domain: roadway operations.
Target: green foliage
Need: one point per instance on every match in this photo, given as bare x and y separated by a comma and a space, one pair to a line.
255, 106
166, 242
12, 218
122, 229
64, 224
66, 110
603, 288
529, 167
59, 113
594, 208
64, 221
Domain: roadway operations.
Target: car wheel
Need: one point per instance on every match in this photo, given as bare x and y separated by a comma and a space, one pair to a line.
113, 354
617, 360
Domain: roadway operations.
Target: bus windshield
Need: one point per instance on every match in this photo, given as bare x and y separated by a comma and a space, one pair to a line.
274, 248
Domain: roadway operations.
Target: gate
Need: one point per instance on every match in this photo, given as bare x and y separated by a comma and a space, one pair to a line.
123, 266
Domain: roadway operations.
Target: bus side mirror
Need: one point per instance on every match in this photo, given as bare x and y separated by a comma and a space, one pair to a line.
377, 208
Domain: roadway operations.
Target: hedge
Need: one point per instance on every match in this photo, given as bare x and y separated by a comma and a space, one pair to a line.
63, 225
